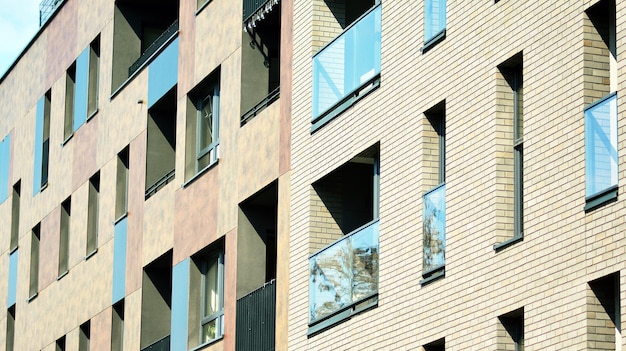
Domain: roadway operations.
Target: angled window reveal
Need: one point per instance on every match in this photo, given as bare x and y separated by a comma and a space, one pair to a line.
15, 216
93, 209
121, 187
42, 143
117, 326
604, 329
64, 238
84, 337
10, 331
511, 331
33, 286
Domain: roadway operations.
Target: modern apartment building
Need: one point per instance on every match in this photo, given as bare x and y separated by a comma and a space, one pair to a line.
315, 175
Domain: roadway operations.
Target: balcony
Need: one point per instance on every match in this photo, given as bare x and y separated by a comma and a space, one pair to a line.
343, 277
347, 68
154, 48
256, 319
434, 232
161, 345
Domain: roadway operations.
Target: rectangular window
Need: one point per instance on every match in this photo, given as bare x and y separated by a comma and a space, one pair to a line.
70, 87
511, 331
10, 338
60, 344
84, 336
203, 116
121, 189
206, 302
156, 302
33, 286
434, 21
604, 330
600, 77
42, 143
64, 237
15, 216
5, 163
434, 200
117, 327
92, 214
343, 240
510, 152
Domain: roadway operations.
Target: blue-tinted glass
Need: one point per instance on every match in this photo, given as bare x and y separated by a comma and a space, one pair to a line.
12, 279
119, 260
180, 305
434, 18
344, 272
435, 228
163, 73
5, 158
81, 89
39, 126
350, 61
601, 145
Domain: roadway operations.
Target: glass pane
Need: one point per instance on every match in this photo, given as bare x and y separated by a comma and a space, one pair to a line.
81, 89
601, 145
434, 228
209, 331
211, 293
347, 63
5, 155
365, 262
205, 124
434, 18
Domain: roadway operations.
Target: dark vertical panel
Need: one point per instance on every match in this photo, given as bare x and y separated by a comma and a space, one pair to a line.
256, 319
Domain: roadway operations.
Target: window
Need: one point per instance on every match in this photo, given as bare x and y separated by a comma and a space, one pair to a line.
600, 75
343, 241
434, 199
434, 22
439, 345
347, 68
42, 143
511, 331
117, 327
10, 338
161, 143
510, 154
15, 216
84, 336
12, 286
81, 88
121, 189
156, 302
603, 313
64, 237
5, 163
60, 344
203, 116
92, 214
33, 286
207, 306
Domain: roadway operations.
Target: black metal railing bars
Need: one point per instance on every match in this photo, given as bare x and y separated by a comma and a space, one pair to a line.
159, 184
161, 345
256, 319
271, 97
153, 48
252, 6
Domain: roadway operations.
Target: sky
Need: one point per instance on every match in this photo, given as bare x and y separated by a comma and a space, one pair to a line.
19, 21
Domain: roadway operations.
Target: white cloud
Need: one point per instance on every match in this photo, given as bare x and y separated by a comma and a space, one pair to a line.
19, 21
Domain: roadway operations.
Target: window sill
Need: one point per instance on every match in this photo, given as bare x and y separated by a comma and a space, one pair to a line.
32, 297
600, 199
63, 274
13, 249
93, 252
433, 275
206, 3
345, 103
67, 139
503, 245
202, 346
91, 115
343, 314
200, 173
123, 216
430, 43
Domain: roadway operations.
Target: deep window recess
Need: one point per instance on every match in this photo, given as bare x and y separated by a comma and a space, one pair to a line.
5, 163
434, 22
348, 67
121, 188
510, 165
64, 238
343, 267
42, 143
439, 345
206, 300
60, 344
600, 76
141, 29
434, 199
202, 127
511, 331
156, 302
84, 337
15, 216
10, 336
33, 286
604, 330
117, 327
161, 143
260, 61
93, 209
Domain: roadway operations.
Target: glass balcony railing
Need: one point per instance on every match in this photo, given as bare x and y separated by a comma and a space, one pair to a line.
344, 273
601, 145
349, 62
434, 229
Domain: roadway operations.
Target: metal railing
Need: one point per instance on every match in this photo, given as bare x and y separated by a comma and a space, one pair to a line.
271, 97
153, 48
159, 184
256, 319
250, 7
160, 345
46, 9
